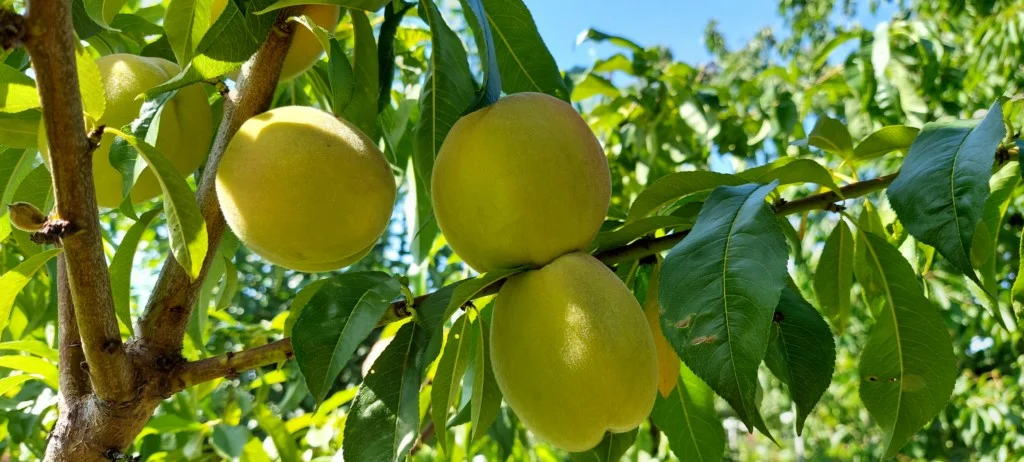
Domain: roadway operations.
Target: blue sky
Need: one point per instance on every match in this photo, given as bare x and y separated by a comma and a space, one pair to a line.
678, 24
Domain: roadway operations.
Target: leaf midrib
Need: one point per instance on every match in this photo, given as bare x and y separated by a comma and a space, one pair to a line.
895, 323
511, 53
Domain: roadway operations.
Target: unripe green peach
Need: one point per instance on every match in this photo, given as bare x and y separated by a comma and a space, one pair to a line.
305, 49
520, 182
305, 190
185, 130
572, 352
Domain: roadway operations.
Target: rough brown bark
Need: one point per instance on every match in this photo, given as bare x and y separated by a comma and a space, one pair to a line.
109, 392
50, 43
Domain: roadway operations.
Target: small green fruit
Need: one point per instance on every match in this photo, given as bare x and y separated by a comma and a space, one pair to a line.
572, 352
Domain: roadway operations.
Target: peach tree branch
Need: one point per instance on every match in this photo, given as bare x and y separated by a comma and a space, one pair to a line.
50, 42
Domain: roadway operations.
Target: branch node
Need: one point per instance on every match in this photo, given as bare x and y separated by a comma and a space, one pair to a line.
12, 29
53, 231
835, 207
110, 346
95, 137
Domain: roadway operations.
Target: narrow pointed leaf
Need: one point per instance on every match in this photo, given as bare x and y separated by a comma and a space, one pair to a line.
986, 236
884, 141
524, 60
461, 345
907, 368
185, 23
447, 92
689, 420
719, 288
675, 186
803, 354
477, 17
469, 288
365, 5
833, 278
383, 423
121, 268
831, 135
341, 314
14, 280
185, 223
943, 184
800, 171
361, 110
486, 399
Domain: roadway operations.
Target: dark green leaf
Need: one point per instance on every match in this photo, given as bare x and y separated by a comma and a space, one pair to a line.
719, 288
299, 303
800, 171
833, 278
485, 401
477, 17
884, 141
831, 135
447, 93
689, 420
123, 157
362, 108
468, 289
943, 184
638, 229
524, 60
461, 345
384, 420
907, 368
341, 314
803, 354
121, 268
229, 440
365, 5
339, 71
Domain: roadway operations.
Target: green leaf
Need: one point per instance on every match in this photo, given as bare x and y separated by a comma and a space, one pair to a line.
803, 354
365, 5
907, 368
476, 16
461, 345
447, 93
103, 11
637, 229
229, 440
800, 171
185, 23
17, 91
342, 313
279, 434
689, 420
884, 141
20, 130
485, 401
230, 288
610, 449
185, 224
430, 314
35, 347
833, 277
8, 383
942, 187
15, 165
675, 186
469, 288
719, 288
383, 423
341, 76
121, 268
14, 280
299, 304
870, 222
524, 60
90, 84
39, 367
832, 136
229, 42
362, 108
594, 35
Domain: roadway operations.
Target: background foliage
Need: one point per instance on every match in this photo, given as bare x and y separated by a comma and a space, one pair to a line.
813, 92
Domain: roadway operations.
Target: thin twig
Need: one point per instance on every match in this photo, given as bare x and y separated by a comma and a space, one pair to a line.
230, 364
74, 378
50, 42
